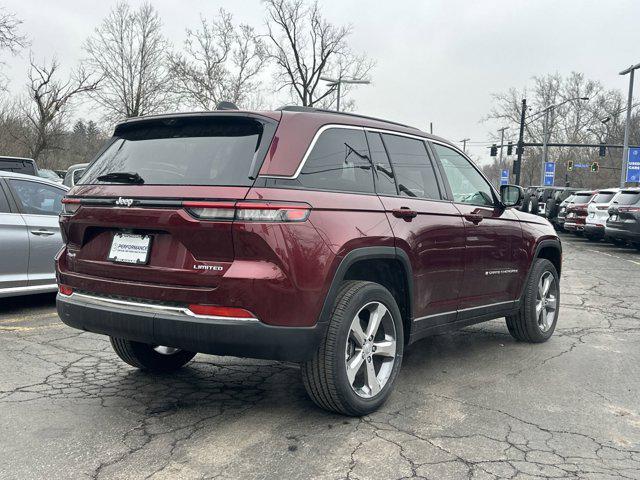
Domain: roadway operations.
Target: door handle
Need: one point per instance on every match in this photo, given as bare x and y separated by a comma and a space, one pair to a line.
474, 218
42, 232
404, 212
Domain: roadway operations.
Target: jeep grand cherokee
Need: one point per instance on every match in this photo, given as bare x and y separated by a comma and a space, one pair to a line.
329, 239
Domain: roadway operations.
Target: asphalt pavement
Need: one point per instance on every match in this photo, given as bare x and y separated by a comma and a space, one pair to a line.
475, 404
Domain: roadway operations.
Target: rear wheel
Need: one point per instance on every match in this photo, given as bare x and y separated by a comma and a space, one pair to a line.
155, 358
356, 365
637, 245
618, 242
538, 315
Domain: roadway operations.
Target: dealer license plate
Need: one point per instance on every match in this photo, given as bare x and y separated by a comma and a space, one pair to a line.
130, 248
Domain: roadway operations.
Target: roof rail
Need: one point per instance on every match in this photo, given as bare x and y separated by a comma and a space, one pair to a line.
297, 108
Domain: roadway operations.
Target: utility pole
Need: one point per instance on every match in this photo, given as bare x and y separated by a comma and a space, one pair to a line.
431, 128
464, 144
625, 145
545, 140
520, 148
337, 83
501, 143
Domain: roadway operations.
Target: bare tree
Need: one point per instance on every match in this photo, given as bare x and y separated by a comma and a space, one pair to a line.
45, 109
305, 47
573, 122
128, 51
10, 38
220, 62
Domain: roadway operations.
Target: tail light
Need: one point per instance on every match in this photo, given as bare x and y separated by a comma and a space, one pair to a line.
605, 207
249, 211
629, 209
70, 205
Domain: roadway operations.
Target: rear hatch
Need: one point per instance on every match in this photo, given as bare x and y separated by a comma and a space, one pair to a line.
577, 209
598, 208
625, 209
156, 206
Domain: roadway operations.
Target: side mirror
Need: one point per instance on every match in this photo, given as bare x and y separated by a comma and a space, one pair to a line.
511, 195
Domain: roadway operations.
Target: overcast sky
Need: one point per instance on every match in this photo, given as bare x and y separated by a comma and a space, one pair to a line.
437, 60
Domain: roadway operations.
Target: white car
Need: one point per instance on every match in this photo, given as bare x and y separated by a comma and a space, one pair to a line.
598, 213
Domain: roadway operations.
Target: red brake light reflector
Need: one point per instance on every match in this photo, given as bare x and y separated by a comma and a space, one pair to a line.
65, 290
217, 311
70, 205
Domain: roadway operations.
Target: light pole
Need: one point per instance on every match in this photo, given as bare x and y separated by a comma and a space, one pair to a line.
337, 82
625, 145
546, 134
464, 144
501, 130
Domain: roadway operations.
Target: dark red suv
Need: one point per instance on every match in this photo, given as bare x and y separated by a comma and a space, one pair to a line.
329, 239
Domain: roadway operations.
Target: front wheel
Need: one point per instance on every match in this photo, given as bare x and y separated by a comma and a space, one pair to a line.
356, 365
538, 314
154, 358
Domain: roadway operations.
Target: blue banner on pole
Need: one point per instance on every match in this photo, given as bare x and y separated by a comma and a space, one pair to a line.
633, 165
504, 177
549, 173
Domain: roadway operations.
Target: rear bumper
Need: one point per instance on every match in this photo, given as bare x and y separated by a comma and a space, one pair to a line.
594, 230
158, 325
623, 234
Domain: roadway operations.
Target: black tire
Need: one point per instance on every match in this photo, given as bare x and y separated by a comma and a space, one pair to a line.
144, 357
524, 325
637, 245
534, 205
618, 242
525, 202
325, 375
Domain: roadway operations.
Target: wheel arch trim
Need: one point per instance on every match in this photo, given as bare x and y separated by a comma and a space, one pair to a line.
366, 253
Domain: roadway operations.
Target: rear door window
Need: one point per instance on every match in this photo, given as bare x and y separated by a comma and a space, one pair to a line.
183, 151
413, 169
384, 175
4, 203
37, 198
339, 161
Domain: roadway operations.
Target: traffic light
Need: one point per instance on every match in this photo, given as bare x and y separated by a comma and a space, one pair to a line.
569, 165
595, 166
603, 151
509, 148
494, 150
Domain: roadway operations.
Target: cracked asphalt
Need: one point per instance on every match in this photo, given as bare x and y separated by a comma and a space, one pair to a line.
475, 404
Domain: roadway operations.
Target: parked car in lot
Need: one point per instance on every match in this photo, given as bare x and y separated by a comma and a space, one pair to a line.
529, 198
542, 196
29, 233
49, 175
598, 213
555, 200
623, 224
74, 173
577, 211
303, 235
558, 221
26, 166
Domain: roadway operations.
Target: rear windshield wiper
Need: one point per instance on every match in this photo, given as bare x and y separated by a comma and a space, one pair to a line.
121, 177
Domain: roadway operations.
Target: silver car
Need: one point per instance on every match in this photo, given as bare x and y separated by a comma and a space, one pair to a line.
29, 233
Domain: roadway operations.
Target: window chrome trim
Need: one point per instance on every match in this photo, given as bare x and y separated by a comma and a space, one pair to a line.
150, 307
320, 131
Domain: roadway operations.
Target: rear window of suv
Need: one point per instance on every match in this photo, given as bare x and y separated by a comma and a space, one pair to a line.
581, 199
183, 151
603, 197
628, 198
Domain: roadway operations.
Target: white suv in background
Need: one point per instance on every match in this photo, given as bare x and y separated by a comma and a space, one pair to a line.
598, 213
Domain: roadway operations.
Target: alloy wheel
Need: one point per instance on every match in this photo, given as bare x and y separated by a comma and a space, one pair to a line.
546, 301
370, 349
